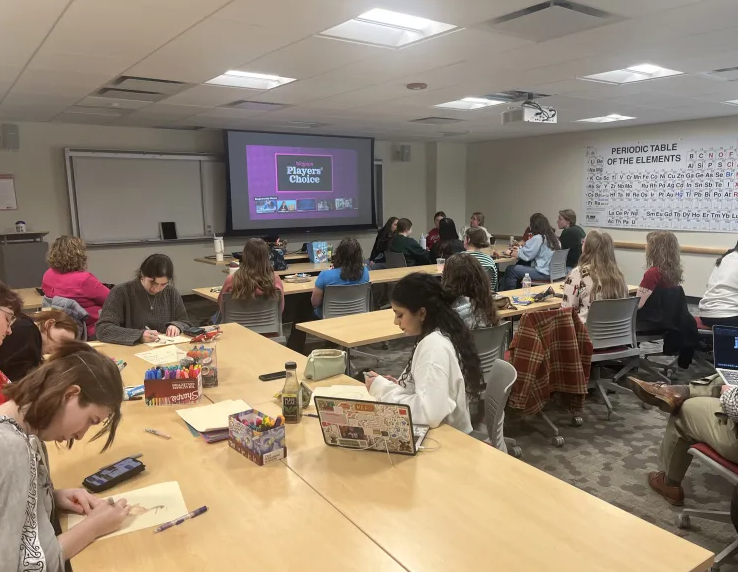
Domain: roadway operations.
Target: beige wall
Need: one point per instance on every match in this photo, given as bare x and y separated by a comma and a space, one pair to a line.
44, 204
509, 180
446, 167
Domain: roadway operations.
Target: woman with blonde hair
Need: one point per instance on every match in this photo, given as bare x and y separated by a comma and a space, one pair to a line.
68, 277
664, 264
254, 277
596, 276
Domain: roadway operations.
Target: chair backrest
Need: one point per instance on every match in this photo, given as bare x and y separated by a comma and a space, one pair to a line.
344, 300
261, 315
612, 323
557, 269
395, 259
499, 384
492, 276
491, 344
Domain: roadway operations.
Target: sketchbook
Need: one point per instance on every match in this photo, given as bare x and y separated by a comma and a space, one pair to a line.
212, 417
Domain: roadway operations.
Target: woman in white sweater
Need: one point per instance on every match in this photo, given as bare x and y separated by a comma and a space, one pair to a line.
719, 305
444, 367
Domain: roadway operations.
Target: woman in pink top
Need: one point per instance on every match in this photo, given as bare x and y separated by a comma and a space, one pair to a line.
68, 277
254, 277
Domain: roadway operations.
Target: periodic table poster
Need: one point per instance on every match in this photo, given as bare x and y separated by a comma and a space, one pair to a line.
686, 185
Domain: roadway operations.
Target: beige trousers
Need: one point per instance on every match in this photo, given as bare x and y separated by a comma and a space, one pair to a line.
696, 423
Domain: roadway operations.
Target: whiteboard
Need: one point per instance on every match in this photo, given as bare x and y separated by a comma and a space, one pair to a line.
680, 184
122, 197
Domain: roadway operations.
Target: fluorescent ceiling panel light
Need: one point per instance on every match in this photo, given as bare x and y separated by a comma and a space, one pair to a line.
732, 102
469, 103
249, 80
632, 74
606, 119
385, 28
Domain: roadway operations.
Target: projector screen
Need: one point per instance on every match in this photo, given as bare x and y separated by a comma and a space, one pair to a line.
281, 182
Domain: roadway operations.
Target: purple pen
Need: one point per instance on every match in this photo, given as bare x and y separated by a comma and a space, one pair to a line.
180, 520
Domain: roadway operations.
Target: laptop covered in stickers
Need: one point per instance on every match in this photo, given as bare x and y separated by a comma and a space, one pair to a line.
369, 425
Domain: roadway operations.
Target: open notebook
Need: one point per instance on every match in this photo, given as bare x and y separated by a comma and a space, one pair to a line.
212, 417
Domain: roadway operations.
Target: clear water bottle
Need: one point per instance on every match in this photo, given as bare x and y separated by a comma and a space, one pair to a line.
422, 240
526, 284
513, 242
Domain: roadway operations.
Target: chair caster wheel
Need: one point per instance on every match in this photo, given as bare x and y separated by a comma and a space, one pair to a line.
646, 406
516, 452
577, 421
609, 415
557, 441
385, 346
682, 521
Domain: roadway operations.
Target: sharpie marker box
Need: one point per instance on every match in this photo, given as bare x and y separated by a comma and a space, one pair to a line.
261, 447
172, 391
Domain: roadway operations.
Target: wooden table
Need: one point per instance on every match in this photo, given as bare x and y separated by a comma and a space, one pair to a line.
304, 267
373, 327
447, 509
294, 257
32, 300
376, 277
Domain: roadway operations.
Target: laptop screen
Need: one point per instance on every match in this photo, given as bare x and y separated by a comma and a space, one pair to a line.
725, 342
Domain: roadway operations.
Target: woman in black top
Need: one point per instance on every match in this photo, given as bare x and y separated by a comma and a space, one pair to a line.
33, 337
383, 240
449, 243
571, 237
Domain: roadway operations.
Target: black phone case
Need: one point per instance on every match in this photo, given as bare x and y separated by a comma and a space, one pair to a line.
96, 488
272, 376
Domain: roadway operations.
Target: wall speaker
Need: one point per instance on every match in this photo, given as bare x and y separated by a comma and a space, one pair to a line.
402, 153
9, 137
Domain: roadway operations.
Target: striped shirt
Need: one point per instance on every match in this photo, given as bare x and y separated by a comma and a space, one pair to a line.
489, 265
130, 309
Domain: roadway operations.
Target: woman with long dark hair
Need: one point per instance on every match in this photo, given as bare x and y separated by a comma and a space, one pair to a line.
537, 250
444, 369
382, 242
348, 268
448, 242
467, 284
145, 307
719, 305
254, 277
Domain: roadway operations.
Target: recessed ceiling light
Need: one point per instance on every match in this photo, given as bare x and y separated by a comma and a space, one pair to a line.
249, 80
385, 28
606, 119
632, 74
469, 103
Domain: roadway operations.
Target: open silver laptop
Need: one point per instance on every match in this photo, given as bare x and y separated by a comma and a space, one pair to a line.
725, 353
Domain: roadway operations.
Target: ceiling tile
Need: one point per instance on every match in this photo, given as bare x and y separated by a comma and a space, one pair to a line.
213, 95
23, 26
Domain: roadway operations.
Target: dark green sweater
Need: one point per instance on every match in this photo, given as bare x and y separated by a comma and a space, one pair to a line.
571, 238
415, 255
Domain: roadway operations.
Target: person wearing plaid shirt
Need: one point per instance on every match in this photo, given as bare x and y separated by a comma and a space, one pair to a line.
705, 411
139, 310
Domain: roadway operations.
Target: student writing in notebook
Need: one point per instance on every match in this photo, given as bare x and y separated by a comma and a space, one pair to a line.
444, 368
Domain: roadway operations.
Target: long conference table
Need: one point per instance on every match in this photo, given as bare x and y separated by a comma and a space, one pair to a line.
330, 509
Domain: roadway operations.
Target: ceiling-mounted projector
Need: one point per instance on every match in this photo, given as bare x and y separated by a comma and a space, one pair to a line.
529, 112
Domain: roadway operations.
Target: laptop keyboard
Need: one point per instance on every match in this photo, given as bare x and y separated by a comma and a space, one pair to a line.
730, 376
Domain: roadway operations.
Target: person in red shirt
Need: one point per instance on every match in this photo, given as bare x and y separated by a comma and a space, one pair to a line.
664, 263
68, 277
434, 235
11, 307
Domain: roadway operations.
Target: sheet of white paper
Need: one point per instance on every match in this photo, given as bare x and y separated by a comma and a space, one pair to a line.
212, 417
160, 356
151, 506
344, 391
167, 341
8, 200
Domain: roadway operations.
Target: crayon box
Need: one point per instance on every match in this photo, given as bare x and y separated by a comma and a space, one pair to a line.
261, 447
172, 391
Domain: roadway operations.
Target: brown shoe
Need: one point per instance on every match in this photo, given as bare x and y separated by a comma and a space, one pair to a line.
668, 398
673, 495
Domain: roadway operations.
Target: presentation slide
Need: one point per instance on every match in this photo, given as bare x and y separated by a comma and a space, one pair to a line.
282, 181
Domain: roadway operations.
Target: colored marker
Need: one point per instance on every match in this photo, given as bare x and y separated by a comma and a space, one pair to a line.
157, 433
180, 520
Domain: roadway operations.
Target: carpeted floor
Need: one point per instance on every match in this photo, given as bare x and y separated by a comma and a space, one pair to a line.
609, 459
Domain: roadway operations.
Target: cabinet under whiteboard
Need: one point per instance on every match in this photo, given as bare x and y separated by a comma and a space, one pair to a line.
673, 185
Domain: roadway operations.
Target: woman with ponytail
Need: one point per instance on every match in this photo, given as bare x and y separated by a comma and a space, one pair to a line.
444, 369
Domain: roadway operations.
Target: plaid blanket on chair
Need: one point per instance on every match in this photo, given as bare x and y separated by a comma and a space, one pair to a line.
551, 352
